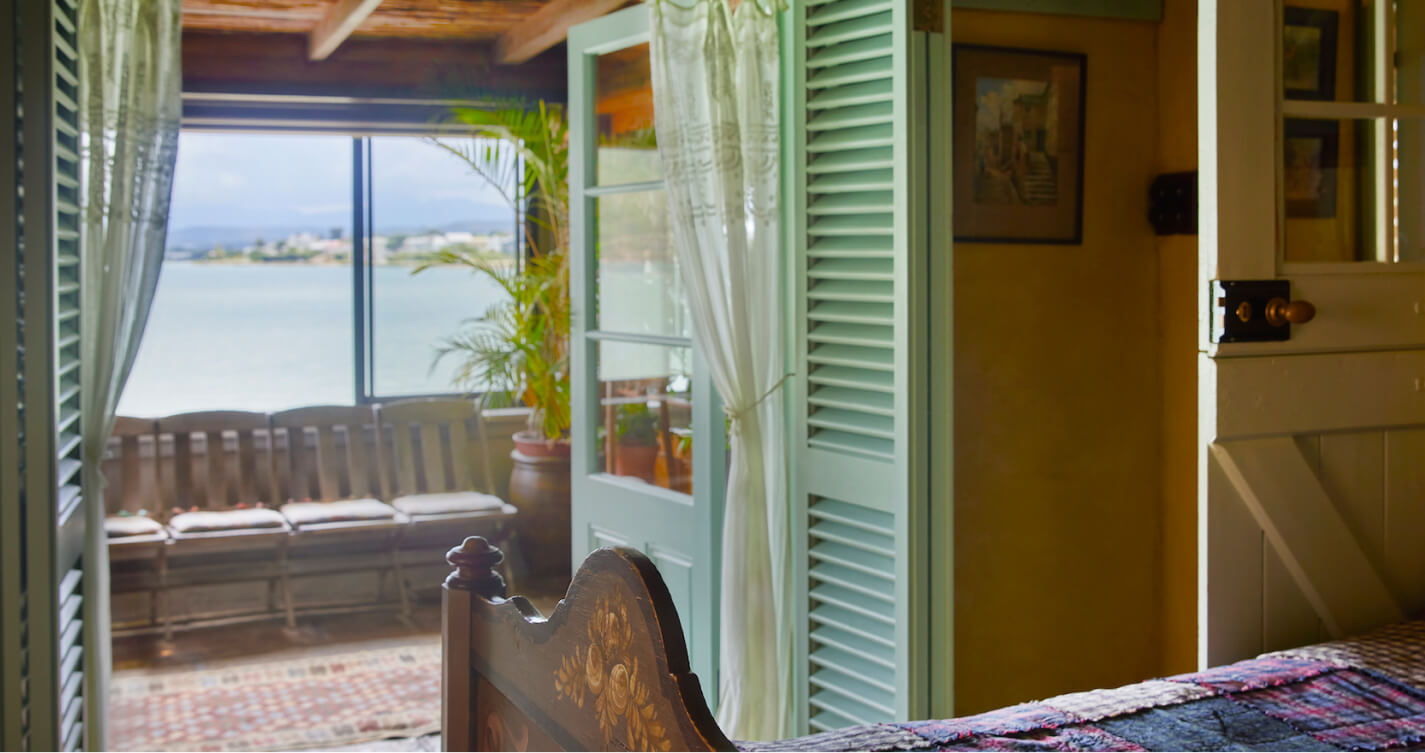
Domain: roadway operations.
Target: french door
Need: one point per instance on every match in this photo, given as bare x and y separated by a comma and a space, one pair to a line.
649, 437
1312, 149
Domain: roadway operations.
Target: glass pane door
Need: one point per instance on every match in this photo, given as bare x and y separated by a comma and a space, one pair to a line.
642, 399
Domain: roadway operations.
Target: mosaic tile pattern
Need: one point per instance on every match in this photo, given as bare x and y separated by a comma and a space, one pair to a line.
326, 701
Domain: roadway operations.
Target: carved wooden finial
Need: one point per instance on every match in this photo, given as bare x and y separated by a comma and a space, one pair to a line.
475, 562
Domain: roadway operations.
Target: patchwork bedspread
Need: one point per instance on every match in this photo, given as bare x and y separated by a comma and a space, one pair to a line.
1364, 693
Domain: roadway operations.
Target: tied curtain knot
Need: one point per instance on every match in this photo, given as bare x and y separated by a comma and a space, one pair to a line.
736, 414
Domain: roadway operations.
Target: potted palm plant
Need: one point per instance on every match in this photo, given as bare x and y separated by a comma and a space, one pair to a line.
517, 351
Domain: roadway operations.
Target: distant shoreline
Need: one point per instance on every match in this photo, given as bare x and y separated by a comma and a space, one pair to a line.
506, 262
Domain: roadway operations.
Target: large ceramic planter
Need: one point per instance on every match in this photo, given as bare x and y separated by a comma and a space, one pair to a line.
539, 487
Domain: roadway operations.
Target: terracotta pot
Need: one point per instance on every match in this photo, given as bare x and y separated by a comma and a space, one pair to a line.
539, 488
535, 445
636, 460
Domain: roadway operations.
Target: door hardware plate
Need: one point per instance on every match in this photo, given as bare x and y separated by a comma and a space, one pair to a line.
1240, 313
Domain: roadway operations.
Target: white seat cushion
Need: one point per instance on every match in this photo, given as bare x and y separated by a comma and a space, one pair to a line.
313, 513
446, 503
120, 526
226, 520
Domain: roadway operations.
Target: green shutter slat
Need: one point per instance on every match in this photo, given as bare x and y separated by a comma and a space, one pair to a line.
853, 444
851, 224
870, 291
846, 9
850, 664
850, 355
856, 558
856, 645
853, 422
846, 398
850, 95
854, 312
857, 246
865, 335
850, 376
871, 587
68, 443
873, 521
868, 270
850, 30
864, 71
859, 50
850, 697
876, 158
860, 180
854, 624
860, 137
858, 203
68, 470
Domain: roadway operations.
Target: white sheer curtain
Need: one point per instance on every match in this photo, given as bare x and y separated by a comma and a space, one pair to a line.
716, 109
130, 72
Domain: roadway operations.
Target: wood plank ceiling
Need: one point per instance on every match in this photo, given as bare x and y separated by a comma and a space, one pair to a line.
378, 49
466, 20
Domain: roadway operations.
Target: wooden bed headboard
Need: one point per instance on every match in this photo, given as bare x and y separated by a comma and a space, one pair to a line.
608, 670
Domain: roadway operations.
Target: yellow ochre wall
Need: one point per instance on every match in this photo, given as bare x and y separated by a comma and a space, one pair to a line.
1064, 521
1177, 315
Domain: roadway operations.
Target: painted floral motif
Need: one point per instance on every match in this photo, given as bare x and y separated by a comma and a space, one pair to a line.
606, 672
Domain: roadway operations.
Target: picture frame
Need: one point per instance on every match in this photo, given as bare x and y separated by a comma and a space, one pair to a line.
1311, 151
1018, 168
1309, 53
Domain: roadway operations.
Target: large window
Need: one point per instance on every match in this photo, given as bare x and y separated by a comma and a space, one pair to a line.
289, 273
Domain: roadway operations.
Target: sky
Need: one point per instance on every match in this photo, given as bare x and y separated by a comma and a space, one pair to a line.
253, 180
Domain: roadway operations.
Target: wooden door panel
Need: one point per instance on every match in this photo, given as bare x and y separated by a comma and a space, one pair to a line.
1314, 394
1288, 619
1404, 553
1322, 562
1231, 564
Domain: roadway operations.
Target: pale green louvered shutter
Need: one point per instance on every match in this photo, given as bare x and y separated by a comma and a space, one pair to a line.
42, 524
856, 207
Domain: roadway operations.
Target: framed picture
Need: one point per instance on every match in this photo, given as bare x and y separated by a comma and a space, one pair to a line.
1019, 145
1310, 160
1309, 53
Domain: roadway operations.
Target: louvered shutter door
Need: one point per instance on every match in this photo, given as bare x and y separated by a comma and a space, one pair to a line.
46, 511
69, 515
860, 347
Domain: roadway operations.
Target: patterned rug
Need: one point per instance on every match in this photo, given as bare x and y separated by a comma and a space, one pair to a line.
323, 701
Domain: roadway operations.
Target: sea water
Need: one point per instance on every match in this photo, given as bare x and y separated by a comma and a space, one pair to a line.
267, 337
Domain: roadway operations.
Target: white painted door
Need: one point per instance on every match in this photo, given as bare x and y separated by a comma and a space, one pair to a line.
1312, 488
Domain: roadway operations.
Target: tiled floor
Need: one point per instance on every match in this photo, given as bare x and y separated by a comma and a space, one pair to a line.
271, 641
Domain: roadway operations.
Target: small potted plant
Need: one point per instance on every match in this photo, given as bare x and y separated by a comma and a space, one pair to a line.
636, 432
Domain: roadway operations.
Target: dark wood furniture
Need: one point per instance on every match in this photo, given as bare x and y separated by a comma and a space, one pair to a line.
608, 670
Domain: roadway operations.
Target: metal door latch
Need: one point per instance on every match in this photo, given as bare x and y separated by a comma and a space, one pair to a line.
1256, 311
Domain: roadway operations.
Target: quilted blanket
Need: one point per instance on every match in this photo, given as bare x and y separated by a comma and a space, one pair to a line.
1364, 693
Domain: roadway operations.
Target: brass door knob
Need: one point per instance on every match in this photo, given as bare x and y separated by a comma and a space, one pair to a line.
1280, 312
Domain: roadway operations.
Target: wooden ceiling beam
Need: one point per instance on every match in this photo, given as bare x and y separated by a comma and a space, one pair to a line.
548, 27
337, 25
277, 64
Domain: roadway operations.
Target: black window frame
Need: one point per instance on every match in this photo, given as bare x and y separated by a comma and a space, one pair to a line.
363, 290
